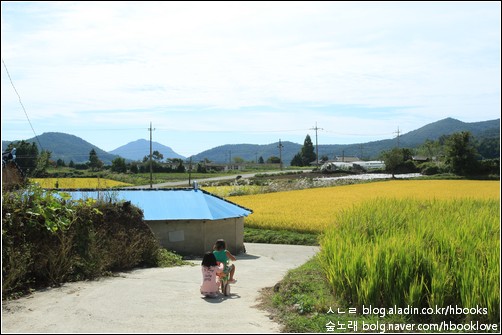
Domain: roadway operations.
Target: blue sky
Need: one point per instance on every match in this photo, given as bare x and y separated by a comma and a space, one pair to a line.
212, 73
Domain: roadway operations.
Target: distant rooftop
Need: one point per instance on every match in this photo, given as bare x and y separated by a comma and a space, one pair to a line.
170, 204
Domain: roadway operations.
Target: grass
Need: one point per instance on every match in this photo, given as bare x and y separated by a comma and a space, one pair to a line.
257, 235
167, 259
303, 302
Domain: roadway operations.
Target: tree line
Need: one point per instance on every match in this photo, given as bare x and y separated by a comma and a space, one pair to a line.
458, 153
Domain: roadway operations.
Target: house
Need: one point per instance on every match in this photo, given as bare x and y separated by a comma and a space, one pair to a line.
185, 220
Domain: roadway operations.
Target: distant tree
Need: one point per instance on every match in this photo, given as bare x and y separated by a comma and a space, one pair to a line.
157, 156
260, 160
393, 159
238, 160
60, 162
180, 167
71, 164
133, 167
324, 158
274, 160
399, 160
306, 154
297, 160
488, 148
461, 155
94, 162
201, 168
119, 165
43, 163
26, 156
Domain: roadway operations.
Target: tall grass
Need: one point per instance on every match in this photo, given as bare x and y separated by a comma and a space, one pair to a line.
419, 253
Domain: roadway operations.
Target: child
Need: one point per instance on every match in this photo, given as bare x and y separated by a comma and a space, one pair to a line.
223, 255
210, 281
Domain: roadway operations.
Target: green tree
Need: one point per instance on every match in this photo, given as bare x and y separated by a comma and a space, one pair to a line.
260, 160
306, 154
94, 162
60, 162
26, 156
43, 163
274, 160
133, 167
238, 160
393, 159
297, 160
119, 165
156, 155
461, 155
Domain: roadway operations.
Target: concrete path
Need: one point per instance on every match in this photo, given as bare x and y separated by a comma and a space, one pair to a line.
159, 300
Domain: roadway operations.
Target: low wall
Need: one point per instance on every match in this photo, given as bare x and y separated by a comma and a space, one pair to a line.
195, 237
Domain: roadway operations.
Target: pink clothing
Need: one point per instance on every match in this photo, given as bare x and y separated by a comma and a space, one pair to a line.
210, 280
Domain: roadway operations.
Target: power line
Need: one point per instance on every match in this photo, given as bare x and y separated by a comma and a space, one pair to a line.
24, 109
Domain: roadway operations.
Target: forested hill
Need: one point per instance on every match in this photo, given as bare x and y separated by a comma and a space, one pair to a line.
72, 148
67, 147
369, 150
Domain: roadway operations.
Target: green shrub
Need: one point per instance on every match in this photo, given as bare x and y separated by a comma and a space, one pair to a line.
48, 239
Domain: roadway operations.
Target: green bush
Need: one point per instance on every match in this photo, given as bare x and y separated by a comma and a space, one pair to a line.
48, 239
430, 168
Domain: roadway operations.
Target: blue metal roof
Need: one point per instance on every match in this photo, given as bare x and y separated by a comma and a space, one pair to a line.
170, 204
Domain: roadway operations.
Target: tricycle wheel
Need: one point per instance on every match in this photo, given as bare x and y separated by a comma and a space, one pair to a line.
227, 290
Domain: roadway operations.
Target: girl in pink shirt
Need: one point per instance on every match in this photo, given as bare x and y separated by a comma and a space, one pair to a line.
210, 280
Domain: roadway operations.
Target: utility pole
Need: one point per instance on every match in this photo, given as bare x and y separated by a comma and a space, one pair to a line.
397, 136
151, 171
190, 172
280, 146
316, 146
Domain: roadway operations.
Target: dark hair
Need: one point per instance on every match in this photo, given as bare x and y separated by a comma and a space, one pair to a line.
220, 244
209, 259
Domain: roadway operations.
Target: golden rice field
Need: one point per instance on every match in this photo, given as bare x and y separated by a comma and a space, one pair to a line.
313, 210
420, 253
77, 183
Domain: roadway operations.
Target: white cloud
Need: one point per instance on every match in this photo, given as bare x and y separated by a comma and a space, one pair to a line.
127, 62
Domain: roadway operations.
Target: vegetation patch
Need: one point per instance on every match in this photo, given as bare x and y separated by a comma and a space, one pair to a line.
257, 235
419, 253
47, 240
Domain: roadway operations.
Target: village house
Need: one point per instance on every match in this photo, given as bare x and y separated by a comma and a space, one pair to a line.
185, 220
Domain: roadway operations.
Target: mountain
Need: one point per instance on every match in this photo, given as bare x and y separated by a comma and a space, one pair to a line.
71, 148
369, 150
249, 152
67, 147
137, 150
